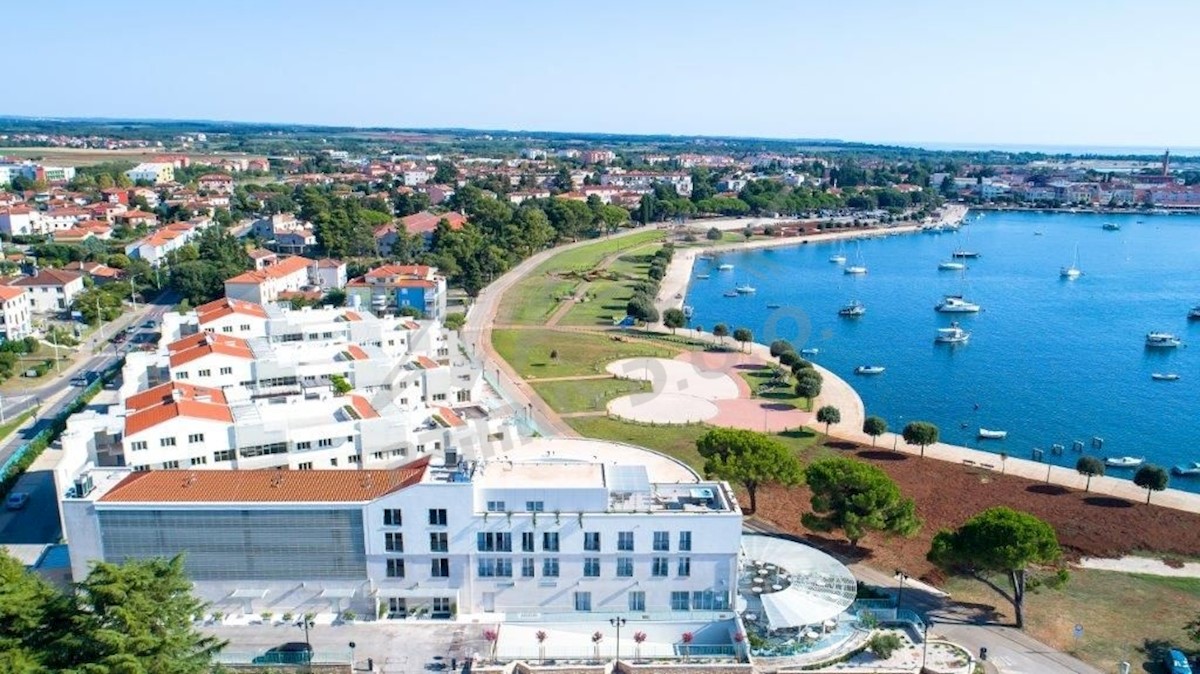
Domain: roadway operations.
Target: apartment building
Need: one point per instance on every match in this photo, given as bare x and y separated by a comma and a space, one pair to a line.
155, 247
51, 290
156, 173
15, 313
264, 285
555, 534
395, 286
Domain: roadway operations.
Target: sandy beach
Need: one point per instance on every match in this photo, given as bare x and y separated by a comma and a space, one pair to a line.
839, 393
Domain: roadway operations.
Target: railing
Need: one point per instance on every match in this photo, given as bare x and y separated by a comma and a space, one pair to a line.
607, 651
535, 614
317, 657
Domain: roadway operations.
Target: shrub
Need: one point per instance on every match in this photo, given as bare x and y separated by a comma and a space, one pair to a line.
883, 644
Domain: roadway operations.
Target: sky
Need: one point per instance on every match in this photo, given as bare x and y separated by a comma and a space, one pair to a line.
1050, 72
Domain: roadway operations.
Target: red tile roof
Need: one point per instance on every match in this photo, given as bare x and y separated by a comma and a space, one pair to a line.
264, 486
364, 408
408, 270
425, 222
202, 344
284, 267
8, 292
166, 393
357, 353
49, 277
450, 417
226, 306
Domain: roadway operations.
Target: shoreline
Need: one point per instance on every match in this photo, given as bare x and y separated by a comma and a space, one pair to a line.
838, 392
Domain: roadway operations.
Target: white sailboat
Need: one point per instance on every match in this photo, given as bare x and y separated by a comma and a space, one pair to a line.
1073, 271
839, 257
858, 267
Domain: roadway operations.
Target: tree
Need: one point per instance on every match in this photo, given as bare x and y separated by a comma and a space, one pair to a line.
780, 347
541, 637
721, 331
883, 644
30, 609
198, 281
748, 458
340, 385
455, 321
829, 415
335, 298
808, 383
998, 540
874, 427
920, 433
1151, 478
445, 174
674, 318
743, 335
857, 498
713, 234
1089, 466
642, 309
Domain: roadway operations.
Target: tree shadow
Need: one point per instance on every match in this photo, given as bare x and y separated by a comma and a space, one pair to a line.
1108, 502
840, 549
1155, 651
881, 455
842, 444
777, 407
1047, 489
777, 395
798, 433
755, 368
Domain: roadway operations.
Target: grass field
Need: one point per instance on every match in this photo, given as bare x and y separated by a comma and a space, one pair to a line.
759, 381
14, 423
67, 156
607, 298
528, 352
588, 257
586, 395
1120, 613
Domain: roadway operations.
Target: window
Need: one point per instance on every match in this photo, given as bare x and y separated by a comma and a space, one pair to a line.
354, 458
441, 604
625, 541
685, 541
199, 460
583, 601
493, 567
245, 327
227, 370
438, 542
227, 328
170, 465
550, 567
708, 601
659, 570
166, 442
304, 465
662, 541
333, 462
591, 541
493, 541
591, 567
392, 517
223, 455
395, 568
535, 506
437, 517
496, 506
526, 541
439, 567
397, 607
679, 601
204, 373
325, 442
637, 601
550, 541
138, 445
195, 438
685, 567
393, 541
307, 444
624, 567
527, 567
181, 375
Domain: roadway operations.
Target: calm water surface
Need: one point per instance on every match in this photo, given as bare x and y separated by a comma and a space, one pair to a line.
1050, 361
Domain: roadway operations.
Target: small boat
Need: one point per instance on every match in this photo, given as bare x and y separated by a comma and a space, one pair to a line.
1125, 461
1164, 376
745, 290
956, 304
856, 269
703, 277
952, 335
951, 265
731, 293
1194, 313
1162, 340
725, 267
1073, 271
1111, 227
809, 352
869, 369
986, 434
855, 308
837, 258
964, 254
774, 306
1037, 233
1187, 470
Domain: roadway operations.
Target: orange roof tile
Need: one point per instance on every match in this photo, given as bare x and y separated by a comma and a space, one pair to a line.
427, 362
424, 222
49, 277
450, 417
152, 416
280, 269
202, 344
8, 292
225, 306
357, 353
364, 408
166, 393
264, 486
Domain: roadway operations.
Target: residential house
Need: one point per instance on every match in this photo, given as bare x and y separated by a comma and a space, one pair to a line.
215, 183
396, 286
262, 257
15, 313
156, 173
295, 241
264, 285
101, 274
154, 247
137, 217
51, 290
330, 274
17, 221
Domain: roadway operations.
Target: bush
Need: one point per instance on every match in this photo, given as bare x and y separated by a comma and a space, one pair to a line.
789, 358
883, 644
713, 234
781, 346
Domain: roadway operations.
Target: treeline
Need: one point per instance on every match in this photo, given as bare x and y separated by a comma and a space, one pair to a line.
641, 305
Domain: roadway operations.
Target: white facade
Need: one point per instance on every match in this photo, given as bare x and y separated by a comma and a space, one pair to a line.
156, 173
51, 290
17, 221
264, 285
15, 313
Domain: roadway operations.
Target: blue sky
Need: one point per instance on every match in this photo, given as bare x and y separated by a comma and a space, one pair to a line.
1061, 72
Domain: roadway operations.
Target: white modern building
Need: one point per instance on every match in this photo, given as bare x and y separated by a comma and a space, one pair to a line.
557, 531
264, 285
156, 173
15, 313
51, 290
397, 286
155, 247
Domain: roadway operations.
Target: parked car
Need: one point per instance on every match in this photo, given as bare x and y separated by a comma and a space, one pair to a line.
291, 653
1176, 662
16, 500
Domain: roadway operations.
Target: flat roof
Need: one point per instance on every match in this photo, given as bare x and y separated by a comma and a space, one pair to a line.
660, 468
544, 474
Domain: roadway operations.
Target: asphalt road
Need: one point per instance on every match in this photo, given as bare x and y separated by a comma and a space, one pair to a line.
38, 522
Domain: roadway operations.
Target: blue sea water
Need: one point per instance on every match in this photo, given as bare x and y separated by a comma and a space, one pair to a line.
1051, 361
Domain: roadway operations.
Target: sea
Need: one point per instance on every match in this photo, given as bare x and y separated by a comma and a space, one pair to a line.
1061, 365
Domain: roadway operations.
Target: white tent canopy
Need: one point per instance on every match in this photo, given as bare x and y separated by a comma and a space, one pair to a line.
818, 587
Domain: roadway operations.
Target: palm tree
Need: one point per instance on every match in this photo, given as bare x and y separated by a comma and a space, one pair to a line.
687, 638
597, 637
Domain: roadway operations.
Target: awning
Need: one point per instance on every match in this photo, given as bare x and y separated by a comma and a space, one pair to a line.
339, 592
819, 587
415, 593
248, 593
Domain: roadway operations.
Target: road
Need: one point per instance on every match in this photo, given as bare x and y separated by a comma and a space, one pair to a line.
38, 522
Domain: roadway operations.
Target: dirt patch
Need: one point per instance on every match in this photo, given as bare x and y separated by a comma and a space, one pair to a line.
947, 495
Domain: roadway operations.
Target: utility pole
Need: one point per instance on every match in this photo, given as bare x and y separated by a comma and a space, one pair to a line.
133, 291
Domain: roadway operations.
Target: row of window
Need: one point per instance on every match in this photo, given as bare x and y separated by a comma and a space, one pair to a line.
181, 374
502, 567
501, 541
701, 600
193, 439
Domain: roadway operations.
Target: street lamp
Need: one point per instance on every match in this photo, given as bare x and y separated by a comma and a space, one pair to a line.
306, 623
900, 594
617, 622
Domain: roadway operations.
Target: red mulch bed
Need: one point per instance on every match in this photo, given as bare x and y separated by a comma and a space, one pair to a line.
948, 494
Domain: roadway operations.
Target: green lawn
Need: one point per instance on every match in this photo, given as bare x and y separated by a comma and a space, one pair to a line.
587, 257
528, 352
608, 297
1120, 613
13, 423
759, 381
586, 395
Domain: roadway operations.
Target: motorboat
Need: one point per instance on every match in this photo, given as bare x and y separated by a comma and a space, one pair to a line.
855, 308
725, 267
964, 254
1162, 340
703, 277
951, 265
1187, 470
856, 269
869, 369
987, 434
774, 306
952, 335
956, 304
809, 352
1194, 313
1124, 461
1073, 271
1111, 227
837, 258
731, 293
745, 289
1164, 376
1037, 233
